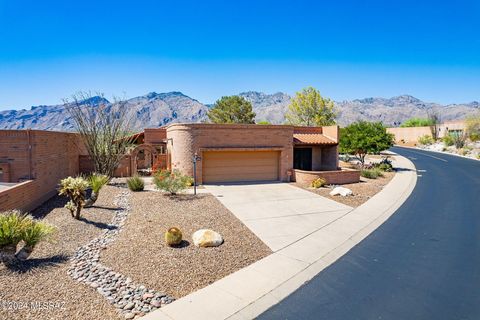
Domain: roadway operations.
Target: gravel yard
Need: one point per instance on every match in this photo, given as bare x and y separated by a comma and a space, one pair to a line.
43, 278
362, 191
141, 253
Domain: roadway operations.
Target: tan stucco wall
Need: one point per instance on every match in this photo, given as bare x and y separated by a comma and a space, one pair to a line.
186, 139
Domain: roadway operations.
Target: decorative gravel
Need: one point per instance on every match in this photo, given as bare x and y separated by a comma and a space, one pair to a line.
141, 253
362, 191
40, 288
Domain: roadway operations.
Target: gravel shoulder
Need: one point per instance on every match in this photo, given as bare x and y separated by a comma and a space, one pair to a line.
140, 251
43, 278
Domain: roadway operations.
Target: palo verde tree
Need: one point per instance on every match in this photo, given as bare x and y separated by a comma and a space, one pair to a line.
232, 109
362, 138
309, 108
104, 128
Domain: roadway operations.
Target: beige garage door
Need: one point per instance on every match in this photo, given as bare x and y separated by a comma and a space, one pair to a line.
236, 166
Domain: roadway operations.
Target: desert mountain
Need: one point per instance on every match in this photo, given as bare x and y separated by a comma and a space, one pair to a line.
158, 109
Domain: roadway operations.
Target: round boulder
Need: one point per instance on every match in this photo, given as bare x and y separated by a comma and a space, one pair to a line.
207, 238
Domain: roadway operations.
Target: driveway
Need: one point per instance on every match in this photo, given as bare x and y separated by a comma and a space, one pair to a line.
422, 263
278, 213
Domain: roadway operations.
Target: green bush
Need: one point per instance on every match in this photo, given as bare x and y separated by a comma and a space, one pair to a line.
16, 227
172, 182
96, 181
135, 183
448, 140
318, 183
75, 189
425, 140
371, 173
417, 122
385, 165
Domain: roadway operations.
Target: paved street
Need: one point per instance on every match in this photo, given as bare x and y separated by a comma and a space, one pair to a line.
422, 263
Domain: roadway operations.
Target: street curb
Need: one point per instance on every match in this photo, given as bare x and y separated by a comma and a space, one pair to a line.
252, 290
439, 152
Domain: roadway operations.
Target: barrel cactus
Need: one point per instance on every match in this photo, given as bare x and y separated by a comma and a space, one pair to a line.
173, 236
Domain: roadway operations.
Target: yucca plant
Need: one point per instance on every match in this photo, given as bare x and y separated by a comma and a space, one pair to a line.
75, 189
96, 182
12, 224
34, 232
135, 183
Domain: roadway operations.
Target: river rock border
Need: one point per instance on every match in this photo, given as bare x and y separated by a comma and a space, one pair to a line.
130, 299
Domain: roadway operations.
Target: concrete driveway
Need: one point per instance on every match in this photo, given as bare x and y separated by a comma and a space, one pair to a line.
278, 213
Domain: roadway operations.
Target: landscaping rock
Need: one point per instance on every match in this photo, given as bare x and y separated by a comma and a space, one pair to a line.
119, 290
341, 191
207, 238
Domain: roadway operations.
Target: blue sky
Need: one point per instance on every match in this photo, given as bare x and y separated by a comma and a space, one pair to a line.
206, 49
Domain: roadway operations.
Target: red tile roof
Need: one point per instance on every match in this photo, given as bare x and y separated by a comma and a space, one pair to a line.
311, 138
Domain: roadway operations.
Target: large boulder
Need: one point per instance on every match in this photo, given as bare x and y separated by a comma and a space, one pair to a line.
207, 238
341, 191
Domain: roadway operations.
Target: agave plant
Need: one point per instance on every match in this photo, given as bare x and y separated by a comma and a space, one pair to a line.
34, 232
75, 189
12, 224
96, 182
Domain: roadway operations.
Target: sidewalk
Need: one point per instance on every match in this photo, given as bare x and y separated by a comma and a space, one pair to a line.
250, 291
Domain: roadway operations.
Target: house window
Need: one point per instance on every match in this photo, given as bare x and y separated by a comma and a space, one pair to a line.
302, 159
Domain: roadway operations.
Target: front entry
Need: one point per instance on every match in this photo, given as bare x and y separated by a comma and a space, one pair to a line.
302, 159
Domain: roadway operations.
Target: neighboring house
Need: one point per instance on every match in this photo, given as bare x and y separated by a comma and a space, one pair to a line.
32, 162
410, 135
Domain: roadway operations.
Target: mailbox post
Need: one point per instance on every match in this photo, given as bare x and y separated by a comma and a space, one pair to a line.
196, 158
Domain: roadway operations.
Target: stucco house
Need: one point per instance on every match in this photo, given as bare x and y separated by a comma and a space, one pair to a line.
241, 152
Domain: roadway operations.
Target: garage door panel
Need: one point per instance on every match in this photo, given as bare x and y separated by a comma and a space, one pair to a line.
228, 166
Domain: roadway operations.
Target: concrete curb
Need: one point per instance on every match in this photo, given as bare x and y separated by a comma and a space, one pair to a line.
252, 290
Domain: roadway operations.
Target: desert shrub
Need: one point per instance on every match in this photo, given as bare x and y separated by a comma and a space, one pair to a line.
371, 173
33, 233
173, 236
425, 140
16, 227
459, 138
384, 165
318, 183
135, 183
12, 224
472, 124
172, 182
448, 140
417, 122
96, 181
75, 189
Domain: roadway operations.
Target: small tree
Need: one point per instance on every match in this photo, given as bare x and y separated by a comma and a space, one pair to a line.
434, 118
362, 138
309, 108
75, 189
472, 127
232, 109
417, 122
104, 128
96, 182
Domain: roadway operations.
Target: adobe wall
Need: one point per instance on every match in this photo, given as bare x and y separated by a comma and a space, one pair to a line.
409, 135
186, 139
344, 176
44, 157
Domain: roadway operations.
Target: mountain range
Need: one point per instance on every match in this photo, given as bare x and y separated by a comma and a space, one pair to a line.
158, 109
